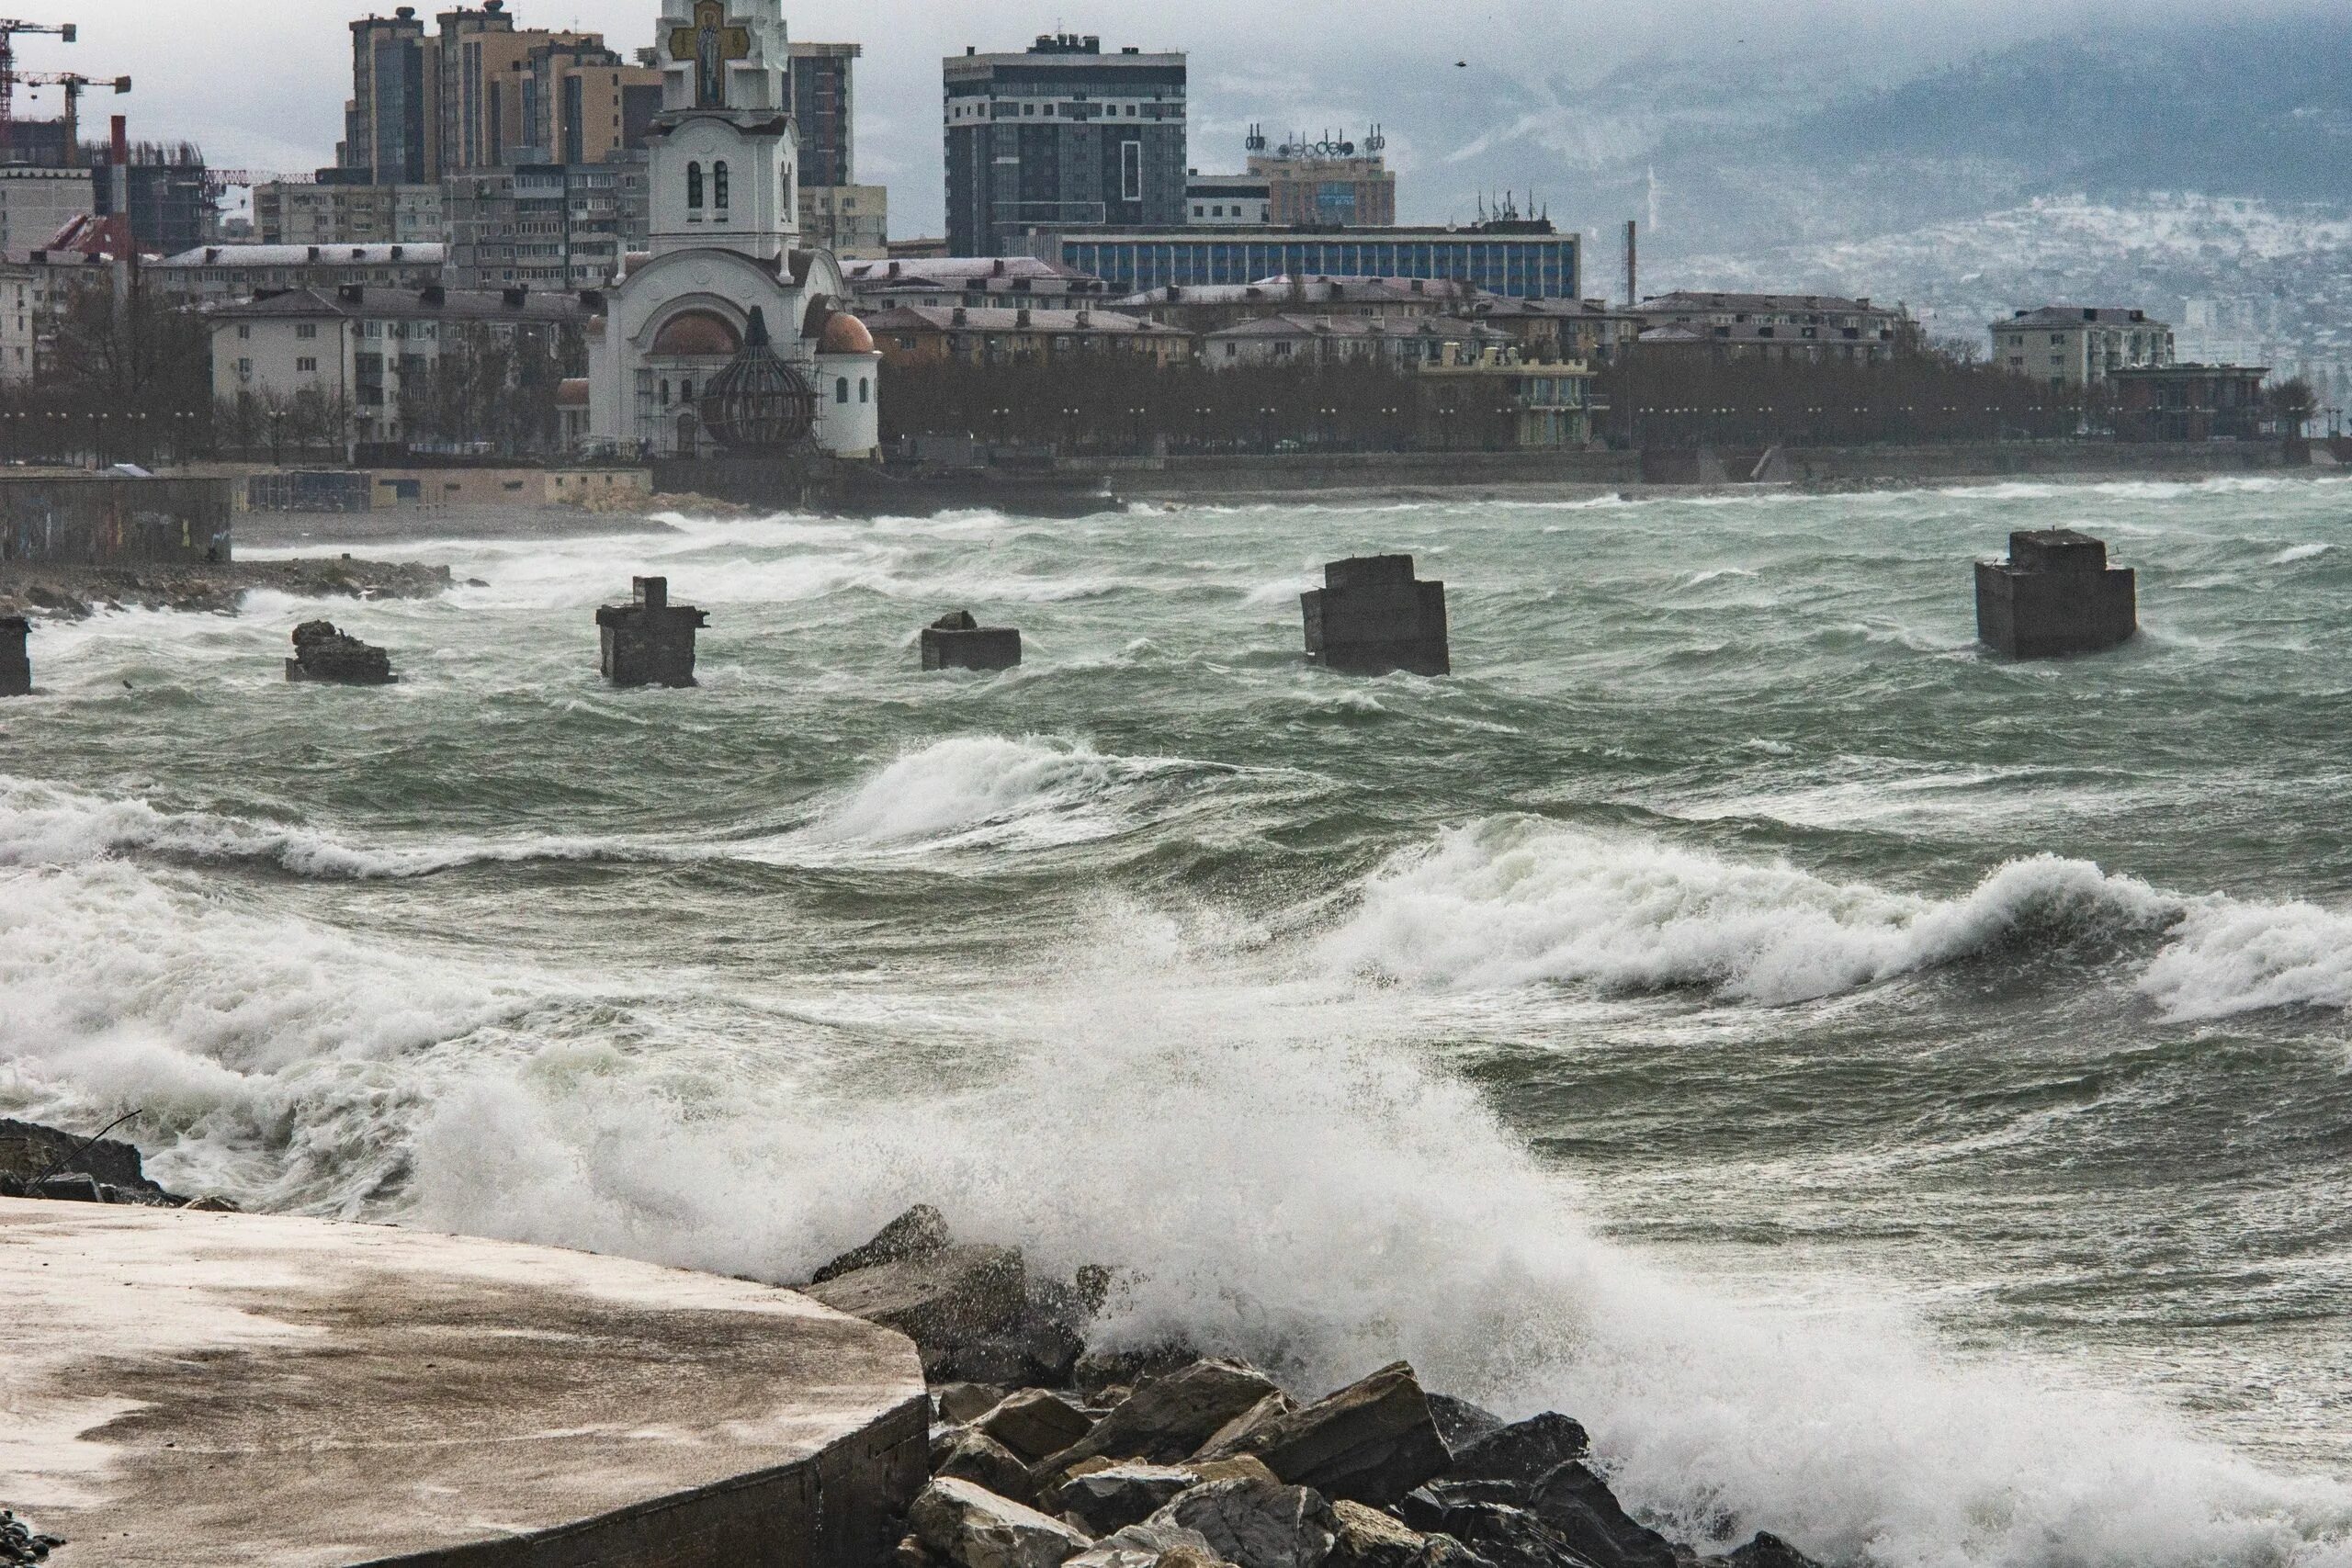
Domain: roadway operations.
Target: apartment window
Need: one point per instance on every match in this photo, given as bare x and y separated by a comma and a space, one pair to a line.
306, 366
244, 334
244, 366
719, 195
307, 330
693, 188
1131, 170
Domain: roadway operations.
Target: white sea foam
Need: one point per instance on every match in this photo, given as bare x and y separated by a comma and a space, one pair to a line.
2230, 957
1288, 1181
1513, 901
2293, 553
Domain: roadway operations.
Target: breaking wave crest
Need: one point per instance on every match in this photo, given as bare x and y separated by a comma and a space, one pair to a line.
980, 788
1515, 901
44, 826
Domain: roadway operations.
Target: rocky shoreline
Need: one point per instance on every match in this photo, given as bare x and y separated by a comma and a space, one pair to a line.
1046, 1452
74, 592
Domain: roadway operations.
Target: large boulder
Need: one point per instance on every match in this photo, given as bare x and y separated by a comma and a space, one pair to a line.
1256, 1522
1460, 1422
1238, 1435
1148, 1546
1035, 1422
980, 1459
940, 1299
1372, 1441
1170, 1417
29, 1151
1766, 1551
1575, 1505
967, 1525
918, 1233
1523, 1452
1121, 1494
1039, 1351
321, 652
1505, 1537
1099, 1371
1366, 1537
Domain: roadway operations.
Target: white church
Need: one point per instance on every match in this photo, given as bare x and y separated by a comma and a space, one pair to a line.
727, 337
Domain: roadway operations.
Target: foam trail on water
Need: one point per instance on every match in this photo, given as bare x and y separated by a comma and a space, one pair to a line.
41, 825
1513, 901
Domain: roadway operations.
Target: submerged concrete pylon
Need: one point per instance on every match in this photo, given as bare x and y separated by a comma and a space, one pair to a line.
1371, 617
15, 664
2056, 595
649, 642
282, 1392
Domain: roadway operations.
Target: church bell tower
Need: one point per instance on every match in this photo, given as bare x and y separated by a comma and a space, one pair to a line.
725, 158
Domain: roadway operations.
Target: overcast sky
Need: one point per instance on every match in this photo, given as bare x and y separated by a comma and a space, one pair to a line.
260, 83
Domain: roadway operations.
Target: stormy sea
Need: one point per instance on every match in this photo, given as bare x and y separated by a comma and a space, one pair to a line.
1895, 1096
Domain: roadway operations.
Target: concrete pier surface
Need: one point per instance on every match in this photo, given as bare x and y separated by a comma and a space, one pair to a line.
284, 1393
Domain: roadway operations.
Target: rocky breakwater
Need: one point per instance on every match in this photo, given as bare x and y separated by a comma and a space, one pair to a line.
1047, 1454
45, 1162
72, 592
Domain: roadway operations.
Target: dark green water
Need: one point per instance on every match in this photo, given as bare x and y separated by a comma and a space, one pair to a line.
1898, 1099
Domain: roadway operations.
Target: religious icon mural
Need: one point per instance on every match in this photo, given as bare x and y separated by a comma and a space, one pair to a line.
711, 44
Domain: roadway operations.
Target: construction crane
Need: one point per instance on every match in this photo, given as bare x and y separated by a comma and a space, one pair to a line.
9, 30
72, 83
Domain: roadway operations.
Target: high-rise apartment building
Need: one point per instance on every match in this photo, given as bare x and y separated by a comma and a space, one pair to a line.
391, 130
836, 214
822, 105
547, 226
347, 212
1062, 137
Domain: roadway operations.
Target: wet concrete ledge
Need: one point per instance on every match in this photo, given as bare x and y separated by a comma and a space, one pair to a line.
286, 1392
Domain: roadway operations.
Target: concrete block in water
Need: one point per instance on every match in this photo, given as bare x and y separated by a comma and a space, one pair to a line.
649, 641
959, 642
323, 653
15, 665
1370, 616
2056, 595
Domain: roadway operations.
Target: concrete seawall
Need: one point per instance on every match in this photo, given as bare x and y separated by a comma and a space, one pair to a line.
101, 520
294, 1393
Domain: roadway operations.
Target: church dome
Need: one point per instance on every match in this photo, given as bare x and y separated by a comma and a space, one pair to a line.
697, 334
759, 403
844, 333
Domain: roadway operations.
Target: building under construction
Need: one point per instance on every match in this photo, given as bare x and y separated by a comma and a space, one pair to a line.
172, 201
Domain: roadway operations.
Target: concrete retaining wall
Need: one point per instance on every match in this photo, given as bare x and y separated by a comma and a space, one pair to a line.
281, 1393
101, 520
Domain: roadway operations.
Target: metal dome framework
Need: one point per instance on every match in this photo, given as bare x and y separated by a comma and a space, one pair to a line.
759, 403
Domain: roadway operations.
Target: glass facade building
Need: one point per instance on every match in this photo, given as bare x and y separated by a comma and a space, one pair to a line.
1516, 264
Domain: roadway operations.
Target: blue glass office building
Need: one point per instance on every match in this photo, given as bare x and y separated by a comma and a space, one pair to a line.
1519, 261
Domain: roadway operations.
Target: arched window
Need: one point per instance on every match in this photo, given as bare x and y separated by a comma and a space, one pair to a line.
840, 391
693, 188
686, 391
718, 185
862, 389
665, 392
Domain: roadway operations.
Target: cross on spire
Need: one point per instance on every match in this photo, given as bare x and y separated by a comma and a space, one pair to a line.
712, 43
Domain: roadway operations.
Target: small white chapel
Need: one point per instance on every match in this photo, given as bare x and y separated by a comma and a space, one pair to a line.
727, 337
